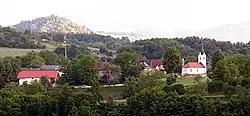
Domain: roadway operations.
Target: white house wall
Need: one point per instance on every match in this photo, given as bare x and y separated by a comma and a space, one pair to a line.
28, 80
193, 71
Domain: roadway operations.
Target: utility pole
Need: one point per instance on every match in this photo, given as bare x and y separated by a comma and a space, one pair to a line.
65, 47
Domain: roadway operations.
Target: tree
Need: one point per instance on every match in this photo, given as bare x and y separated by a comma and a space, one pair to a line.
111, 74
129, 63
32, 59
50, 58
217, 56
72, 51
148, 80
131, 87
170, 79
103, 50
82, 71
172, 59
223, 72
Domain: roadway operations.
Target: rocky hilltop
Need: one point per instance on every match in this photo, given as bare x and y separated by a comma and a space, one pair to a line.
51, 23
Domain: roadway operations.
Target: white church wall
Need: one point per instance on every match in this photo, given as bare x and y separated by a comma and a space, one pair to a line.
193, 71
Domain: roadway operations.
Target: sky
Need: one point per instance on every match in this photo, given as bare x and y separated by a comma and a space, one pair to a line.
162, 16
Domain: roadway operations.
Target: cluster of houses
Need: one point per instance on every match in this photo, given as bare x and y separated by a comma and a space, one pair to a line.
53, 72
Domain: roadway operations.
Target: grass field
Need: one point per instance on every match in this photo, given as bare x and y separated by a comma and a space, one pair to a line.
187, 81
19, 52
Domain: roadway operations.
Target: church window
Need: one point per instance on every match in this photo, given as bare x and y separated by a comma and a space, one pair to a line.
203, 58
190, 70
200, 58
197, 70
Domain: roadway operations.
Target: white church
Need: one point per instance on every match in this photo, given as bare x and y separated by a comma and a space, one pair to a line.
196, 68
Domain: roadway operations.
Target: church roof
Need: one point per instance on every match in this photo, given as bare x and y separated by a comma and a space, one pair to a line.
194, 65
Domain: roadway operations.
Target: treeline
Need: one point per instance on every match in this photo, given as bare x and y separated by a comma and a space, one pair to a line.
91, 40
189, 47
12, 39
9, 37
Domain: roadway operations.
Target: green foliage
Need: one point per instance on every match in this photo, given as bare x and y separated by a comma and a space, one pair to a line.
131, 87
12, 39
73, 51
32, 59
200, 88
129, 63
170, 79
103, 50
217, 56
224, 72
178, 88
198, 78
216, 86
151, 79
172, 59
50, 58
82, 70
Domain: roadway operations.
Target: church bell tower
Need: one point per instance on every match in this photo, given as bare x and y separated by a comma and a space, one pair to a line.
202, 58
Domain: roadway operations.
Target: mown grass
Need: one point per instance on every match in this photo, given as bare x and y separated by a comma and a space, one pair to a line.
20, 52
189, 81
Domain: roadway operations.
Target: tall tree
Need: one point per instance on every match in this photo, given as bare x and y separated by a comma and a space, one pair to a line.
50, 58
172, 59
217, 56
129, 63
82, 71
32, 59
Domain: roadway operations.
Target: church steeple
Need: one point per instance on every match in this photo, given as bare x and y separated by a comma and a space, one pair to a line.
202, 47
202, 55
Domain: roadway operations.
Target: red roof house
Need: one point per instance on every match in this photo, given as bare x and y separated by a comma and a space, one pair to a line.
27, 76
38, 74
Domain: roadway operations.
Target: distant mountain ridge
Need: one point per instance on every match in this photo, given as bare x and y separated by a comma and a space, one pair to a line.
132, 36
51, 23
228, 32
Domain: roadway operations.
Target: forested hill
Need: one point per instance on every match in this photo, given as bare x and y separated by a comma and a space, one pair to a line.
12, 39
189, 47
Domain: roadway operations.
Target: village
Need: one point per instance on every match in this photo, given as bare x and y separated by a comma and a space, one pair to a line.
53, 72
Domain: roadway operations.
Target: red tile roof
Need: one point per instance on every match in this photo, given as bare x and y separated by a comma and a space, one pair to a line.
194, 65
37, 74
155, 63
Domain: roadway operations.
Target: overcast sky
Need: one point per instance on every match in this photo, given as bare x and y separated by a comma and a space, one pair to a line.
129, 15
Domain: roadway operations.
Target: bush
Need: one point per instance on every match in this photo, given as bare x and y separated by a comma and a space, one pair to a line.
170, 79
216, 86
178, 88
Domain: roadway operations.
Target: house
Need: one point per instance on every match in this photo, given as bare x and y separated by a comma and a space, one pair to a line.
196, 68
51, 72
28, 76
153, 64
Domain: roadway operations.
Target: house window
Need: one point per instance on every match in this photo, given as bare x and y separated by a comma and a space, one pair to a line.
203, 58
190, 70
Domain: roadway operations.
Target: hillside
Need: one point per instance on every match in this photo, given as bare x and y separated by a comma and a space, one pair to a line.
50, 24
